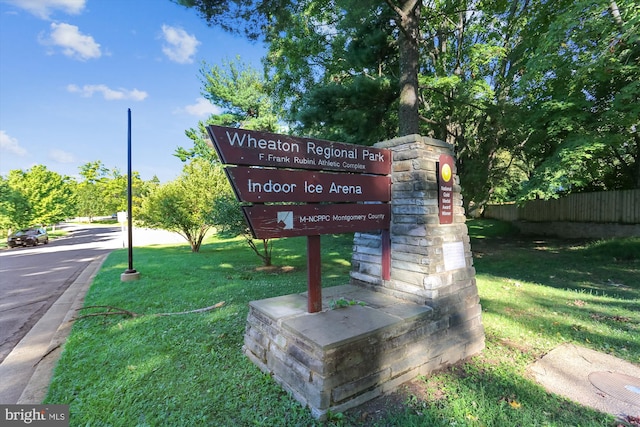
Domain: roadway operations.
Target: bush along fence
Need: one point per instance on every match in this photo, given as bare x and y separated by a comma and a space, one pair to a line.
600, 215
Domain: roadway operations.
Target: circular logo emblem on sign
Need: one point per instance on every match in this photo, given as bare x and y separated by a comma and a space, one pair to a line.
446, 172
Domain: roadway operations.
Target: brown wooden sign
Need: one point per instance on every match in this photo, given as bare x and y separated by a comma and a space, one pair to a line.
259, 185
445, 189
270, 221
252, 148
272, 177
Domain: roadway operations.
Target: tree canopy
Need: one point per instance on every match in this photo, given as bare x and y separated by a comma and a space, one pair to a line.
103, 191
538, 98
244, 99
15, 209
37, 196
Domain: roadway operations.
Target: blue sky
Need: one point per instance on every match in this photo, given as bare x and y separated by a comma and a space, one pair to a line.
70, 69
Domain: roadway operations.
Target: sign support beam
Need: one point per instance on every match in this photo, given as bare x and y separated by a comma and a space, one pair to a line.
386, 254
314, 279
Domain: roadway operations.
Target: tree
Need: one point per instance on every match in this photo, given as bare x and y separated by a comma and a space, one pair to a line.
408, 22
103, 191
243, 97
49, 194
90, 201
245, 16
228, 216
242, 93
15, 210
114, 191
201, 145
580, 96
537, 99
269, 19
337, 72
357, 48
186, 204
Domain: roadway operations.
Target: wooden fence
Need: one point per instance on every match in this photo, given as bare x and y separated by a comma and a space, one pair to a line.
621, 207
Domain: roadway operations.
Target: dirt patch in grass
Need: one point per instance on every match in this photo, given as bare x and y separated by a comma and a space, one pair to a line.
378, 409
276, 269
417, 395
509, 343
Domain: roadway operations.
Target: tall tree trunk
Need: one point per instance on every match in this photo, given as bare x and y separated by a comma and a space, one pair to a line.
615, 13
636, 136
408, 21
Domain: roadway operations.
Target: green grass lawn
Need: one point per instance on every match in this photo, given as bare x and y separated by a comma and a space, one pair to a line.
189, 370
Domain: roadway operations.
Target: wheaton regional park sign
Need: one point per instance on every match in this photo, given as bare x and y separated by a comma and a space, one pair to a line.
329, 187
297, 186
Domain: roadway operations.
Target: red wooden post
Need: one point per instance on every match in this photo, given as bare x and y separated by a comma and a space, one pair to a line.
314, 284
386, 255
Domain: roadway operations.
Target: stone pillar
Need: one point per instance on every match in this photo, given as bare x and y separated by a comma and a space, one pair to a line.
431, 263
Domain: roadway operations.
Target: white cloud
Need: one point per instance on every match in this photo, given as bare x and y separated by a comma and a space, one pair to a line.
74, 44
180, 46
44, 8
202, 108
61, 156
11, 144
108, 94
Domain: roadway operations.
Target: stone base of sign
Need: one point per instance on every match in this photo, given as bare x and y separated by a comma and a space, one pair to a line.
352, 352
431, 263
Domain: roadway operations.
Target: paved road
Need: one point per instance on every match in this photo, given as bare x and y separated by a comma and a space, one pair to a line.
32, 279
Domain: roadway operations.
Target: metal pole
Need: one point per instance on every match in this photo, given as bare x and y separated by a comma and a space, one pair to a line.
129, 199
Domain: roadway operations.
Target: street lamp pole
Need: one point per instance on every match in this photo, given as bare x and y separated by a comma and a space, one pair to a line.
130, 273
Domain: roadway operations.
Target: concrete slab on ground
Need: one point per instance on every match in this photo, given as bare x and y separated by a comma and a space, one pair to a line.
591, 378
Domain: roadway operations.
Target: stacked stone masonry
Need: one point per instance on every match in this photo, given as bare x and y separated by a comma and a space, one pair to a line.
340, 358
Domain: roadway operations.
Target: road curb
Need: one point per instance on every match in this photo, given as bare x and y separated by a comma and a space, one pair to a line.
43, 344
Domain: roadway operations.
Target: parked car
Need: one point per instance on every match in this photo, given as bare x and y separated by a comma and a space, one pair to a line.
28, 237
